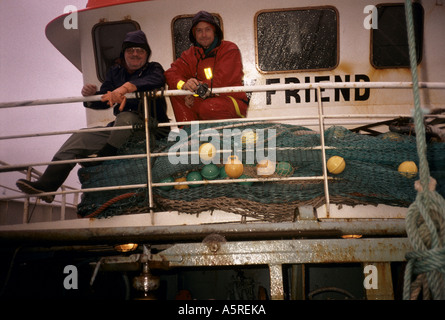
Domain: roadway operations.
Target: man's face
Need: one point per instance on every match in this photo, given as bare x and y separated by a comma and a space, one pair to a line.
135, 58
204, 34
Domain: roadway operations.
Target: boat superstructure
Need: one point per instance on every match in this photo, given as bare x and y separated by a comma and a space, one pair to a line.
312, 65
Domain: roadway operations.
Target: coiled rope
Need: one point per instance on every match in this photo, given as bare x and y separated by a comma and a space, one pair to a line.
425, 219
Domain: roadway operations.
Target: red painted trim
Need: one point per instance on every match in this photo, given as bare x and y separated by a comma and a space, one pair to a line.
106, 3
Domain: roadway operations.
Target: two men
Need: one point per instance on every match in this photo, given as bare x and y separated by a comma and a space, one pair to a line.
210, 61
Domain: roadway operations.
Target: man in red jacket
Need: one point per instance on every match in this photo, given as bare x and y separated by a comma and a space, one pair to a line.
214, 63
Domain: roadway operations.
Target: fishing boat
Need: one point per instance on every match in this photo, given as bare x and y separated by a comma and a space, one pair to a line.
330, 87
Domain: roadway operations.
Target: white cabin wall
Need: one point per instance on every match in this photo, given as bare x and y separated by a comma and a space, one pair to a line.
155, 19
433, 65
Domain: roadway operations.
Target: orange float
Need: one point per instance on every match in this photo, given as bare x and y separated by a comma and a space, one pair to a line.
234, 168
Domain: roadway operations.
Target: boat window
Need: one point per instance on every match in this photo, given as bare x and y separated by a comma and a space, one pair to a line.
180, 33
107, 39
297, 39
389, 41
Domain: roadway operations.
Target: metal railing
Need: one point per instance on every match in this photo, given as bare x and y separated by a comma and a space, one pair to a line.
30, 172
320, 119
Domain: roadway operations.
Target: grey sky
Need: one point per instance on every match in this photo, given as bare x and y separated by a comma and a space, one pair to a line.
31, 68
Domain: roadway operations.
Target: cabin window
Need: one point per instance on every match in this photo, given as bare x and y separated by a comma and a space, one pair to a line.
303, 39
108, 38
389, 41
180, 33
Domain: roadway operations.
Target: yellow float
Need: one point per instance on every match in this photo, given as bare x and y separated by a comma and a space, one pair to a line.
181, 186
408, 169
336, 164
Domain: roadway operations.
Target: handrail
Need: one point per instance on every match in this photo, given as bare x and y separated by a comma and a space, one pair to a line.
321, 117
255, 88
250, 120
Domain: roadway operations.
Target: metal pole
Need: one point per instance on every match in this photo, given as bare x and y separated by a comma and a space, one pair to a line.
323, 150
53, 133
63, 205
138, 229
256, 88
147, 144
249, 120
159, 184
37, 102
26, 202
123, 187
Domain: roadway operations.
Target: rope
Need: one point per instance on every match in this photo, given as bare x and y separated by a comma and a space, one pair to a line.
109, 203
425, 219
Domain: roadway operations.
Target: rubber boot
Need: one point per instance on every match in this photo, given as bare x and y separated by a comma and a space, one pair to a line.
53, 177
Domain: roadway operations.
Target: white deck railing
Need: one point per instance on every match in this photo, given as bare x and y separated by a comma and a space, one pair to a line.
320, 119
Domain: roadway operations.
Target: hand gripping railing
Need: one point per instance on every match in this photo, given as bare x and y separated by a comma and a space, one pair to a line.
320, 119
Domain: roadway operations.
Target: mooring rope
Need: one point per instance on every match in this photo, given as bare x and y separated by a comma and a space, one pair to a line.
425, 219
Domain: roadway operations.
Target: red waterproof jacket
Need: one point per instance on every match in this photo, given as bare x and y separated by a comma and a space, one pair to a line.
226, 70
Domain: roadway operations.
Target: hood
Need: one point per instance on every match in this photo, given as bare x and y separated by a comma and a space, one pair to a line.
206, 17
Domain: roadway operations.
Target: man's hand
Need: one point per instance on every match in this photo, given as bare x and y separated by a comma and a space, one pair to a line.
89, 90
118, 95
191, 85
114, 97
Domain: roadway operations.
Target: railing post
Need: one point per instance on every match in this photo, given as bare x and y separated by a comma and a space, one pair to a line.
147, 144
63, 205
26, 202
323, 149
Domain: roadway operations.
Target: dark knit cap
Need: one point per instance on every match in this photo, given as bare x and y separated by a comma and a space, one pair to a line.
136, 39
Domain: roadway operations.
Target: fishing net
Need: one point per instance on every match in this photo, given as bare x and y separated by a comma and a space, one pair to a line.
370, 177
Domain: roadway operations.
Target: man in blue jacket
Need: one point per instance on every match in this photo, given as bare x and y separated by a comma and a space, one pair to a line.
136, 73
